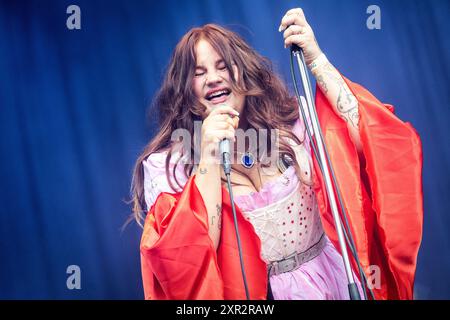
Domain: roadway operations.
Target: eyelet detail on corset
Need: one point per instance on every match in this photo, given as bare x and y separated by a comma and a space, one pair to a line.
281, 226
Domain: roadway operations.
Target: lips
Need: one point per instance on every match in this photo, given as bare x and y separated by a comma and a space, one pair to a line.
218, 95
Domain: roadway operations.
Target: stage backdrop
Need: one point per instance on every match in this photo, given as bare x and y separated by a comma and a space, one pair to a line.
72, 122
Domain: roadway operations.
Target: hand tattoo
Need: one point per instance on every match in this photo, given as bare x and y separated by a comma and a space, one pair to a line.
203, 170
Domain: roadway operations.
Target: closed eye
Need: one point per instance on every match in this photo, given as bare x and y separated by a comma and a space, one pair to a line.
199, 72
221, 65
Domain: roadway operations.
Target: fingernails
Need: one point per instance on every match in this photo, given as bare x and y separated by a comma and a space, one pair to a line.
280, 28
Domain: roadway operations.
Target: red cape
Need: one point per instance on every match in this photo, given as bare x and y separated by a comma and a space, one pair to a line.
383, 200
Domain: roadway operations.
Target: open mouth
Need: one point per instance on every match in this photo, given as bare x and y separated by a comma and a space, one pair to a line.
218, 95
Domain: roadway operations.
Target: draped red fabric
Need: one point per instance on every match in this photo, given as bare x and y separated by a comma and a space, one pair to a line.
381, 190
383, 199
178, 259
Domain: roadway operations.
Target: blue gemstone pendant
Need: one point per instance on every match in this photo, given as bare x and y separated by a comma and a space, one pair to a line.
247, 160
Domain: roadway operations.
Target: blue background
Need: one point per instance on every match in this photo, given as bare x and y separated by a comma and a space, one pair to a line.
73, 120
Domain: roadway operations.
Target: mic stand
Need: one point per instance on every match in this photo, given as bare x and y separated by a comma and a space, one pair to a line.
298, 53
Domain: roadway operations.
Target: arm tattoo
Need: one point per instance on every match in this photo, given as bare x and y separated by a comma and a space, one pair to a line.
219, 214
203, 170
347, 105
333, 74
322, 83
353, 116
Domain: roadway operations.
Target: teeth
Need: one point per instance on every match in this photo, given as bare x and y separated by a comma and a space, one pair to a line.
217, 93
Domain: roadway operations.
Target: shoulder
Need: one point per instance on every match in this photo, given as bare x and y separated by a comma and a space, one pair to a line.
157, 160
299, 129
155, 166
156, 179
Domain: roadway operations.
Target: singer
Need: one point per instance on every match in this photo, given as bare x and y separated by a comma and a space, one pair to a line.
188, 246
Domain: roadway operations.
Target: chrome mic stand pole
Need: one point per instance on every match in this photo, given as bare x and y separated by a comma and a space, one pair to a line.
298, 53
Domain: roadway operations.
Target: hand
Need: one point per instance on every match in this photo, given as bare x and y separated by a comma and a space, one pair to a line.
297, 31
218, 125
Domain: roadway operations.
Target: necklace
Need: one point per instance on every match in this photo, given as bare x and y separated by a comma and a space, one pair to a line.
247, 160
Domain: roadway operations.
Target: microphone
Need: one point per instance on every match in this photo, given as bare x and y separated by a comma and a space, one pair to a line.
225, 155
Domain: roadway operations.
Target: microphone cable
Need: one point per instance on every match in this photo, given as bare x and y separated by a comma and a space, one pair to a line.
225, 151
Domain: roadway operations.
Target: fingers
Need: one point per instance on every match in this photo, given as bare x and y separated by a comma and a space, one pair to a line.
293, 17
218, 135
298, 11
235, 122
221, 116
219, 126
232, 121
294, 29
223, 125
298, 32
224, 118
225, 134
296, 39
223, 109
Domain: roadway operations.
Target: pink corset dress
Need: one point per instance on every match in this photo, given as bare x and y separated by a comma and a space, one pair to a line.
286, 218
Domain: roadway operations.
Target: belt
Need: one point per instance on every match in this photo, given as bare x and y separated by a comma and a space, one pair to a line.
296, 259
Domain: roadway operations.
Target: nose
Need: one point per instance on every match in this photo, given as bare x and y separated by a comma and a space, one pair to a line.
213, 78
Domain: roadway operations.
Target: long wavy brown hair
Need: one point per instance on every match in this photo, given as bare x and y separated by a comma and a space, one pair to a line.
268, 104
